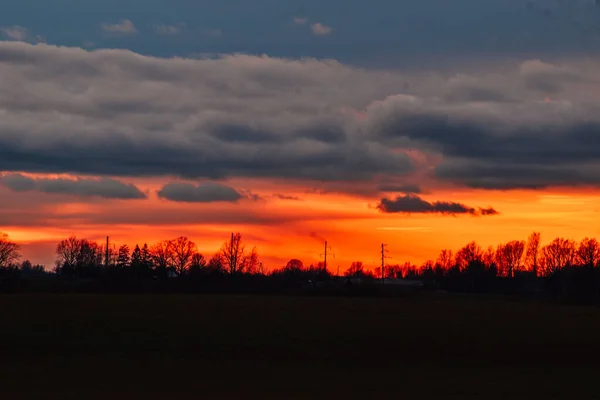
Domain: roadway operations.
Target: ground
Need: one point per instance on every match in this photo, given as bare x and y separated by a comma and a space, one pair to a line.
238, 347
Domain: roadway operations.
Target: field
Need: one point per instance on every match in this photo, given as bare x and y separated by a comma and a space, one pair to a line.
234, 347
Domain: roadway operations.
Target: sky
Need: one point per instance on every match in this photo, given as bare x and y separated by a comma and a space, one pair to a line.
419, 124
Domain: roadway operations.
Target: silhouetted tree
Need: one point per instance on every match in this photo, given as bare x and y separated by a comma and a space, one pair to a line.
250, 262
232, 253
294, 266
445, 262
67, 252
183, 251
198, 261
532, 253
123, 256
557, 255
489, 259
216, 264
9, 251
356, 270
509, 256
162, 257
588, 253
469, 255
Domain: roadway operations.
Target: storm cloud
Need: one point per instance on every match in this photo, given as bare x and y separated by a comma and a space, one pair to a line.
86, 187
413, 204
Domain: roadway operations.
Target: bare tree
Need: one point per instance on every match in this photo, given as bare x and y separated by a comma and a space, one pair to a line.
532, 253
198, 261
588, 253
509, 256
216, 263
489, 257
468, 255
232, 253
68, 251
250, 262
162, 254
9, 251
557, 255
90, 254
445, 260
356, 269
183, 251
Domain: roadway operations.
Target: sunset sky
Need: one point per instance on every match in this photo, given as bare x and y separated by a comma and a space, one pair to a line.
419, 124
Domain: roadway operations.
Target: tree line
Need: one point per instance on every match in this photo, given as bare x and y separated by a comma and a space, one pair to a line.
167, 258
470, 268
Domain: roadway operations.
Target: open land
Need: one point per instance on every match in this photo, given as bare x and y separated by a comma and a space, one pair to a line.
236, 347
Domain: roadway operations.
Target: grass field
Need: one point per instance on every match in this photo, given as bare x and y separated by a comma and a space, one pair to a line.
232, 347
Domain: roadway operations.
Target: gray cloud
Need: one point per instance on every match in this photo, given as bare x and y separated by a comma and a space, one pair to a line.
86, 187
235, 116
207, 192
414, 204
117, 113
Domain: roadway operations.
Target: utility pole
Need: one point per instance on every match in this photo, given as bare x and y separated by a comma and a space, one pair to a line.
325, 256
232, 260
106, 262
325, 259
383, 257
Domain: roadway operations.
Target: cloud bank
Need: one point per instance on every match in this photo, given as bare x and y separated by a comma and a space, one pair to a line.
117, 113
86, 187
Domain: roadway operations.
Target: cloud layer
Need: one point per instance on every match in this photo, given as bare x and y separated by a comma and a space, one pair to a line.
86, 187
412, 204
207, 192
117, 113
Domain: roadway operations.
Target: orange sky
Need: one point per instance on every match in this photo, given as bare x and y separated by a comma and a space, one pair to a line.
284, 229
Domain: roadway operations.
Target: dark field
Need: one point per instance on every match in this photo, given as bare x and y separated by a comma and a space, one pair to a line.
105, 346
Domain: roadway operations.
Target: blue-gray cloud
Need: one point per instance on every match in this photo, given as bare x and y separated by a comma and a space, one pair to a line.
207, 192
86, 187
117, 113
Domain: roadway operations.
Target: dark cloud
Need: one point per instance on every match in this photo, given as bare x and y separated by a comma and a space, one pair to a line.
412, 204
407, 189
117, 113
86, 187
235, 116
207, 192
